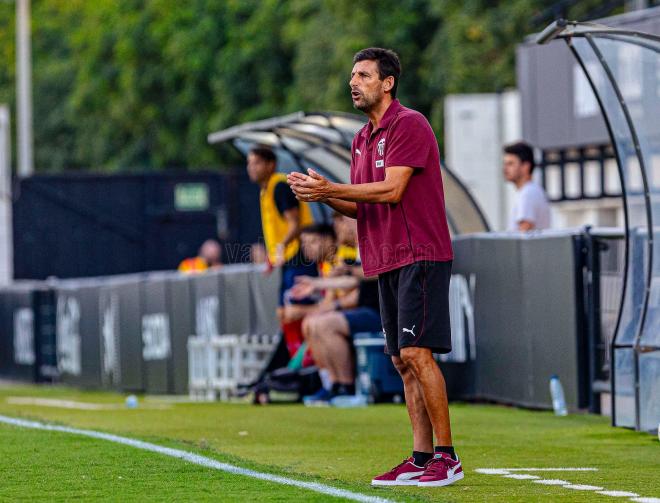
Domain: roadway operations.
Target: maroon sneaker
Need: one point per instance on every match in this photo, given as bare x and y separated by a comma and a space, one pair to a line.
405, 474
442, 470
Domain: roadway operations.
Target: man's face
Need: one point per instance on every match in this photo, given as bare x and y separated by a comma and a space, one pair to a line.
211, 252
367, 90
258, 168
316, 247
311, 246
514, 168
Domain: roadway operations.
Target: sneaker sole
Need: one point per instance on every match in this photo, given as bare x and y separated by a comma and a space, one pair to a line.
394, 482
440, 483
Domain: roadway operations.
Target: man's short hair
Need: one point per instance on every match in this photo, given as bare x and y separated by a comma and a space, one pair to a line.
522, 151
265, 152
322, 229
388, 63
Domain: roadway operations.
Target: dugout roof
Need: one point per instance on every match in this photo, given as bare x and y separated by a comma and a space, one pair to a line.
322, 141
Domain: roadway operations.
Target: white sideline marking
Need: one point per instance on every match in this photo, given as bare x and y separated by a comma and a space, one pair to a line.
197, 459
506, 473
54, 402
619, 494
578, 469
582, 487
71, 404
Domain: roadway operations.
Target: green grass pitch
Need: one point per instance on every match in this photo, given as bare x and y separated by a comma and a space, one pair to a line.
342, 448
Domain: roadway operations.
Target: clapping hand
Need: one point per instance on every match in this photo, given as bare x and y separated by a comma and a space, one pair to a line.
311, 187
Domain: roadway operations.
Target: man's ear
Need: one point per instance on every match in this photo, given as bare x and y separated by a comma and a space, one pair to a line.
388, 83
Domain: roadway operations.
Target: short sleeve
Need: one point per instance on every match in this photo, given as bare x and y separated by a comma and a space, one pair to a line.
526, 207
285, 199
409, 141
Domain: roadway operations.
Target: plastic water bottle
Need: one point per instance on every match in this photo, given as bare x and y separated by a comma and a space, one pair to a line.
557, 394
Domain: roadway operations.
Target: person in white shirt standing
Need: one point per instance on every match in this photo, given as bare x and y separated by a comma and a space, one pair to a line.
531, 210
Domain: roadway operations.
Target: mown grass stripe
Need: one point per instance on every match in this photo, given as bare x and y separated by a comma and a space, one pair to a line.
197, 459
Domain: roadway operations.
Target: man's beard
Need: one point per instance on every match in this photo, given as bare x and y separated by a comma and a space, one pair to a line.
365, 105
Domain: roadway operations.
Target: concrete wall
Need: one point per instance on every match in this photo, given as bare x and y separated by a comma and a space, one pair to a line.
476, 128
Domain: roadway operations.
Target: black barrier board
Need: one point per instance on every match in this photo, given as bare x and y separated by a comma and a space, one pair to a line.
156, 334
501, 338
17, 339
122, 305
235, 299
78, 338
45, 340
208, 317
182, 326
264, 290
109, 328
461, 377
551, 319
525, 306
6, 335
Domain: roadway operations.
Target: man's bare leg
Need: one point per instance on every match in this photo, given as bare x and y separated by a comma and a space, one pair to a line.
419, 419
432, 388
330, 332
310, 330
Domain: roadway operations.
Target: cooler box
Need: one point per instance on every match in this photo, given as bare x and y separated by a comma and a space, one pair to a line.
376, 376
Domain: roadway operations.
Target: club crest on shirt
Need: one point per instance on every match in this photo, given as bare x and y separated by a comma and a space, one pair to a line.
381, 147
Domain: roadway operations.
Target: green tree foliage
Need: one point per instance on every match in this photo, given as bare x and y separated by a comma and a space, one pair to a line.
138, 84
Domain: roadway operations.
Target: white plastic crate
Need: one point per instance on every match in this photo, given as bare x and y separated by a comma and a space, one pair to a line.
219, 364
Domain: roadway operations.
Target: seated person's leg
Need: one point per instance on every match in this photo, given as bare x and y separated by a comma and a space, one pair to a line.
330, 343
310, 329
296, 312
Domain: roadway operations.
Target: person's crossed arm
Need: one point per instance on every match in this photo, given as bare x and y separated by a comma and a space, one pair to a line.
342, 197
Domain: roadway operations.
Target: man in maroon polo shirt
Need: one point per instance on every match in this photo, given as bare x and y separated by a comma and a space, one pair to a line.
397, 197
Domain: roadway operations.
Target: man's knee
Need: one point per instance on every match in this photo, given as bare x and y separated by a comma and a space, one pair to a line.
400, 366
309, 325
416, 358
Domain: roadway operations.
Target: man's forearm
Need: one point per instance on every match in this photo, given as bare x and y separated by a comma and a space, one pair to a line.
375, 192
292, 233
346, 208
340, 282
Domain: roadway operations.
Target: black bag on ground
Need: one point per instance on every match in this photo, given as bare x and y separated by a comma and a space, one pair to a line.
286, 385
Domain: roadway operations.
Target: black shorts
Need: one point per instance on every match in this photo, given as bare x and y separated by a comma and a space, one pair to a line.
414, 307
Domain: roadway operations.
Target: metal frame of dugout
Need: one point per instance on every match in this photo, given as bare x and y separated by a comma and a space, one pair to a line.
610, 58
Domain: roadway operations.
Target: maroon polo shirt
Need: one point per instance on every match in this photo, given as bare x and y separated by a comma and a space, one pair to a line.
394, 235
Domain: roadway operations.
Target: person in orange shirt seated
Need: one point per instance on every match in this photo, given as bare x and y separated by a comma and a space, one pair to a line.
208, 258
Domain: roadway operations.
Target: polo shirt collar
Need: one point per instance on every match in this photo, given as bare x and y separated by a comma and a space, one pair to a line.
389, 114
